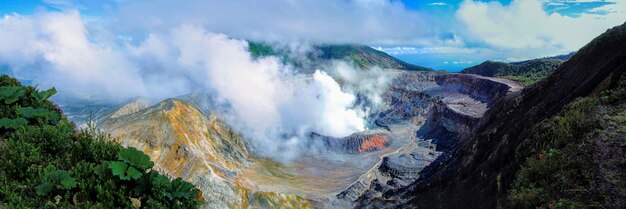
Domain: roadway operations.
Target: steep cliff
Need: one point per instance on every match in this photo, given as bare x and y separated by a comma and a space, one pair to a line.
483, 89
480, 172
355, 143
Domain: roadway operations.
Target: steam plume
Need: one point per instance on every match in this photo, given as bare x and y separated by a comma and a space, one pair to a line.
274, 107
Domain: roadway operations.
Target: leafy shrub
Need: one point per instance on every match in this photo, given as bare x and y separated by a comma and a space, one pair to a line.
132, 165
58, 179
47, 163
136, 158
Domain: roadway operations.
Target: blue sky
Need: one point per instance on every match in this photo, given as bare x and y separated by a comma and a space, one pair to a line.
448, 35
570, 8
457, 61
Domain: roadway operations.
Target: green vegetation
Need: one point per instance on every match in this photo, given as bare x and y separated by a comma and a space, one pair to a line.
526, 72
58, 179
365, 56
565, 159
257, 50
132, 162
528, 78
529, 72
47, 163
360, 55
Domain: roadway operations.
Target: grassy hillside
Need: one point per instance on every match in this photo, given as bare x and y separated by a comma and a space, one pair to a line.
360, 55
526, 72
576, 159
365, 56
47, 163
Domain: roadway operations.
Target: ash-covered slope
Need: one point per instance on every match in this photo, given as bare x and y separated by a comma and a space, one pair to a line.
479, 174
199, 148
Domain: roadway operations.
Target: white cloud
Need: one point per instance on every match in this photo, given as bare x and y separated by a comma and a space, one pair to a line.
458, 62
520, 25
524, 24
61, 4
371, 83
567, 3
327, 21
275, 108
52, 48
437, 4
579, 1
268, 100
405, 50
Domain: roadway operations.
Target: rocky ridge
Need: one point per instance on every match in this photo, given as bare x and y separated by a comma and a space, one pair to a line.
203, 150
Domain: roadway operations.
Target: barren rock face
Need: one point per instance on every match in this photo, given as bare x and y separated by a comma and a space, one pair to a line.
203, 150
184, 143
373, 143
355, 143
406, 165
437, 110
482, 89
130, 108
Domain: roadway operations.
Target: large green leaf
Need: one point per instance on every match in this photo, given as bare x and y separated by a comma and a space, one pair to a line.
7, 91
144, 184
29, 112
182, 189
119, 169
160, 181
12, 123
43, 95
135, 158
58, 176
161, 185
68, 183
133, 173
101, 169
10, 94
44, 188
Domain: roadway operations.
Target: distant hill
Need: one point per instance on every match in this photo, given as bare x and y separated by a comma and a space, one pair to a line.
526, 72
361, 55
366, 56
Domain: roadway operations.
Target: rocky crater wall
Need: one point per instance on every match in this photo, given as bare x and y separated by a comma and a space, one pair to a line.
485, 90
443, 108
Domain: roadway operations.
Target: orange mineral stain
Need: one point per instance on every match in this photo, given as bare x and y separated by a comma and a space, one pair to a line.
375, 142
